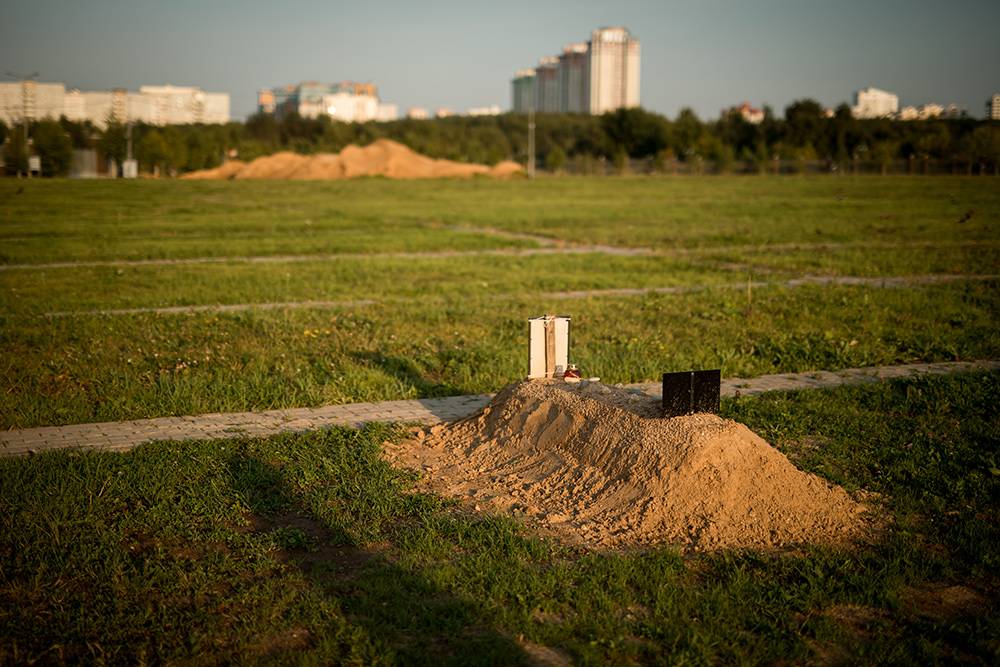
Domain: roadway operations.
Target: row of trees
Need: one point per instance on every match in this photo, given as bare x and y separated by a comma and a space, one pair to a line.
803, 135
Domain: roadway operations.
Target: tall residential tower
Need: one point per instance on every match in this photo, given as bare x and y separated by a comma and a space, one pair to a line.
592, 77
614, 70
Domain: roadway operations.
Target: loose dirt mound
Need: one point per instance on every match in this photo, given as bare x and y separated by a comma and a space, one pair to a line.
381, 158
226, 171
582, 460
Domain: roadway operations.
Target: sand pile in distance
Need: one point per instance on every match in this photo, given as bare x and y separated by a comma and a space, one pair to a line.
223, 172
380, 158
577, 458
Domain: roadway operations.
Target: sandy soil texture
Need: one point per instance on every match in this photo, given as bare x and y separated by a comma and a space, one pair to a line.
381, 158
595, 465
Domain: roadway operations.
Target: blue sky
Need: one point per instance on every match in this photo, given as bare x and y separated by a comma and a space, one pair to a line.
705, 54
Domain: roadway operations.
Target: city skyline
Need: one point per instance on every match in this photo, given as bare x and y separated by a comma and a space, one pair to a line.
706, 56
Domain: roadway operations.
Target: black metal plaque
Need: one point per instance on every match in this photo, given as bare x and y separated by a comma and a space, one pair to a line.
691, 391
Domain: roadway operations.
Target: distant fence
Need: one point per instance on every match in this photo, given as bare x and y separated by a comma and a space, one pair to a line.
599, 166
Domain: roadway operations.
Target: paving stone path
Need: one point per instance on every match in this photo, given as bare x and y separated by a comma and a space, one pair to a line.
119, 436
546, 246
295, 259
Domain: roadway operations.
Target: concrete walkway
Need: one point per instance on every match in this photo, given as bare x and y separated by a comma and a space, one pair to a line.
120, 436
546, 246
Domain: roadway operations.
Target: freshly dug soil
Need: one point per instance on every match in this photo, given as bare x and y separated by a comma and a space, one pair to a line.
380, 158
223, 172
588, 461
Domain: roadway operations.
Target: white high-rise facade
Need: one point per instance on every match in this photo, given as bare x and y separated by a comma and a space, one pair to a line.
614, 70
588, 77
874, 103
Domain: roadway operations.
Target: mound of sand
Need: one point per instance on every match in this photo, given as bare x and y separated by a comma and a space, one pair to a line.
381, 158
224, 172
580, 459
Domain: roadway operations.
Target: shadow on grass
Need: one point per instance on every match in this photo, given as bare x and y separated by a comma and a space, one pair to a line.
408, 373
407, 617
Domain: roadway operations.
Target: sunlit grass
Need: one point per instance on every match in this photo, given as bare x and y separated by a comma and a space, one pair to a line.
310, 549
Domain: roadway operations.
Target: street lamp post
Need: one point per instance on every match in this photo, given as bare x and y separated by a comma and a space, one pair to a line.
24, 109
531, 142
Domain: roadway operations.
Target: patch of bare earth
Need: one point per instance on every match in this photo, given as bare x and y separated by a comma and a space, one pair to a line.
938, 603
943, 602
595, 466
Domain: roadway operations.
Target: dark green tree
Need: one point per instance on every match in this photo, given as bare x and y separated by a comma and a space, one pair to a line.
114, 142
152, 151
556, 159
804, 123
638, 132
15, 154
687, 132
54, 147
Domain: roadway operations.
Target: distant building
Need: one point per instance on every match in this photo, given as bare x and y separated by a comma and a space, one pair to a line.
588, 77
954, 111
923, 112
443, 112
930, 110
387, 112
417, 113
614, 70
492, 110
156, 105
348, 101
574, 81
750, 114
31, 100
874, 103
547, 97
523, 91
993, 107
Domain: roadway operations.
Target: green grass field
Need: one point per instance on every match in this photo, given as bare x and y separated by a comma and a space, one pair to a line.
436, 324
310, 549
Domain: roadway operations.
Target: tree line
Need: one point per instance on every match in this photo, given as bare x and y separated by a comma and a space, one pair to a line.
804, 135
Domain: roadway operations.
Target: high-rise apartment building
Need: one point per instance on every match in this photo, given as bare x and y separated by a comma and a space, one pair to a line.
614, 70
574, 80
547, 98
523, 90
993, 107
593, 77
874, 103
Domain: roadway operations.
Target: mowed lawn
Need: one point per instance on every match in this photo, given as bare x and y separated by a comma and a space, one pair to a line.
310, 549
383, 289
